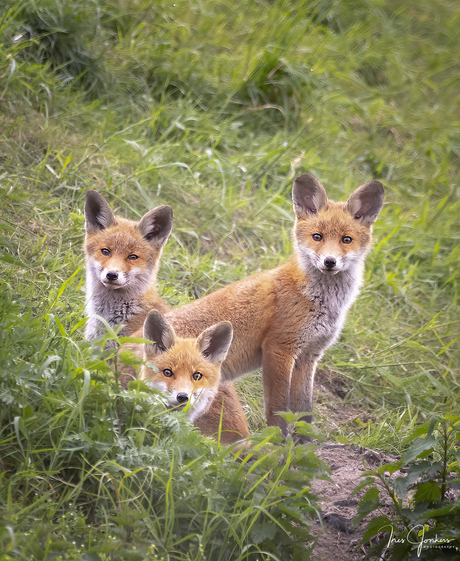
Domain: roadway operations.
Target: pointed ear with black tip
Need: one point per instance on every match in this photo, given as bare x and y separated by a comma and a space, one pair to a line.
156, 225
308, 195
159, 331
215, 341
366, 202
98, 214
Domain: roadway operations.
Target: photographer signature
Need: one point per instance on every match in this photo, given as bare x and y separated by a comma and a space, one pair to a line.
416, 536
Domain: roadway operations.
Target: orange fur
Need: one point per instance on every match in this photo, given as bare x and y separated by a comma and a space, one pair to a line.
224, 417
177, 361
130, 302
283, 319
122, 262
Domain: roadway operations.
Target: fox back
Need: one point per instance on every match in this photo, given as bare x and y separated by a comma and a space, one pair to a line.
122, 262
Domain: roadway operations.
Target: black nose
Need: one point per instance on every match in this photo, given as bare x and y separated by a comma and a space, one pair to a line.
182, 397
111, 276
330, 262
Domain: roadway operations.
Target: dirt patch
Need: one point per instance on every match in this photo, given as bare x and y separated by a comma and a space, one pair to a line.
333, 417
347, 464
330, 412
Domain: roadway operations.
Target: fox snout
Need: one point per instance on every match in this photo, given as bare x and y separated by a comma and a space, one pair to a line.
113, 277
180, 399
184, 397
330, 262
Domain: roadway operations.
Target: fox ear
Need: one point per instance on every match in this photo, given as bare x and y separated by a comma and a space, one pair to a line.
366, 202
308, 195
156, 225
215, 341
159, 331
98, 214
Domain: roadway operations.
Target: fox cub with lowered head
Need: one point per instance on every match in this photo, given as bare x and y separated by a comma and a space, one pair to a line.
122, 262
188, 372
285, 318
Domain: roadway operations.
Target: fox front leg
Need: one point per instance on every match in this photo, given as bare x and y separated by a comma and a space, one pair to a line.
277, 365
301, 389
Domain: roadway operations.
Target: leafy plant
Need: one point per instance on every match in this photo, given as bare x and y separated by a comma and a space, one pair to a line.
424, 505
87, 467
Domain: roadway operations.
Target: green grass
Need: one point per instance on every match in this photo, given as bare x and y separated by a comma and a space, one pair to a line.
214, 110
87, 468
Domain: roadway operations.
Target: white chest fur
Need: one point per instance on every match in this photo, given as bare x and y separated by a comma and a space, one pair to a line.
115, 306
332, 297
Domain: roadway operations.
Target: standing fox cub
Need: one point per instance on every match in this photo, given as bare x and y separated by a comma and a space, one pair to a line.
122, 262
284, 319
188, 371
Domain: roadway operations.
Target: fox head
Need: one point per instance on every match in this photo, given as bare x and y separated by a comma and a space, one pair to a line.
187, 370
333, 237
123, 254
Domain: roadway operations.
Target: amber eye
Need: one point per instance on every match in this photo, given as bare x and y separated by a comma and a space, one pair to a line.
347, 239
105, 251
133, 256
168, 373
197, 376
317, 237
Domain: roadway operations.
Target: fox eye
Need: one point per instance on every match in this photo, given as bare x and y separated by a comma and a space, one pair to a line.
133, 256
197, 376
347, 239
317, 237
168, 373
105, 251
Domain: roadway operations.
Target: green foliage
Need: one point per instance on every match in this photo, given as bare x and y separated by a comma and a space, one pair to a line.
422, 487
213, 108
87, 467
62, 35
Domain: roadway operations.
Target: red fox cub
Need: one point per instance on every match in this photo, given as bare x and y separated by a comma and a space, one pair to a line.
188, 371
285, 318
122, 262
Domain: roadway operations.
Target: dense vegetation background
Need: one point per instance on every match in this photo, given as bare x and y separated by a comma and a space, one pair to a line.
213, 108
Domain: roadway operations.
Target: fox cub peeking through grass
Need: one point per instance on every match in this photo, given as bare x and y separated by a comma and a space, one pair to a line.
188, 372
285, 318
122, 262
